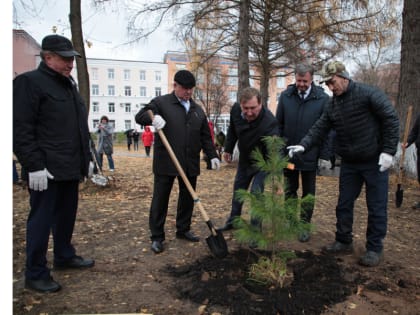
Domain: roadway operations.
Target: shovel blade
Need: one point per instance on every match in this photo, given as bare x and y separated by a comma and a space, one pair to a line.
217, 245
399, 194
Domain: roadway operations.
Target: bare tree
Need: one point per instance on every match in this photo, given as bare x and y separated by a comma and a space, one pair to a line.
75, 18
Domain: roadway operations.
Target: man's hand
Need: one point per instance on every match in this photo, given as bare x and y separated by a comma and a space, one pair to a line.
39, 180
158, 122
293, 149
324, 164
215, 164
385, 161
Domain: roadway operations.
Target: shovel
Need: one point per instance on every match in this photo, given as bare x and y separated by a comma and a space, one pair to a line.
216, 242
400, 192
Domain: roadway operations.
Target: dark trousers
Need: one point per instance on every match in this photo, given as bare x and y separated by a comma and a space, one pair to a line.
147, 151
136, 145
308, 179
52, 210
243, 179
159, 208
352, 178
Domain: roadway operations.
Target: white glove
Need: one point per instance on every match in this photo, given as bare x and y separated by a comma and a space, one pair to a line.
39, 180
158, 122
293, 149
91, 168
385, 161
324, 164
215, 163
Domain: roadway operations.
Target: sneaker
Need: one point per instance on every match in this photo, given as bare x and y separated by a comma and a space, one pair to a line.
304, 237
370, 259
337, 248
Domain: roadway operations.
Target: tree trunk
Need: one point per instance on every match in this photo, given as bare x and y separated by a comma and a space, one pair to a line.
75, 18
409, 85
243, 36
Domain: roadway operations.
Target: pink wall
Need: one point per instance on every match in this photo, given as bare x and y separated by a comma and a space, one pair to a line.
25, 52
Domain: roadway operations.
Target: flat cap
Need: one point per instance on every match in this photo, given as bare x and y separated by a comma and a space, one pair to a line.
185, 78
333, 68
60, 45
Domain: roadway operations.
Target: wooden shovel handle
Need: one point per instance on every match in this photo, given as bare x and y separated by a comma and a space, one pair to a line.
405, 137
182, 174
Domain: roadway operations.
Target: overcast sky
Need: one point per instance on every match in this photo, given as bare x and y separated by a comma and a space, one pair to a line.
105, 28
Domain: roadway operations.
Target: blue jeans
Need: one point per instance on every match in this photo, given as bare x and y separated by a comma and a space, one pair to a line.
352, 178
243, 178
110, 161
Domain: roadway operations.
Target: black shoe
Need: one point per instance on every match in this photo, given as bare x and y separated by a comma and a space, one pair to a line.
76, 262
226, 227
338, 248
189, 236
43, 285
157, 247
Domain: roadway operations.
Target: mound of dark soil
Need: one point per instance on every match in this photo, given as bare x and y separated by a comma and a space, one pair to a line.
318, 283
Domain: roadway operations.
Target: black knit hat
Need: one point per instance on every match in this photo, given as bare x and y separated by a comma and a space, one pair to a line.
60, 45
185, 78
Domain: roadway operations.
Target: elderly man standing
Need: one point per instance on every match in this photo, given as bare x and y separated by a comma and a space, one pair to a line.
51, 141
367, 131
299, 107
185, 125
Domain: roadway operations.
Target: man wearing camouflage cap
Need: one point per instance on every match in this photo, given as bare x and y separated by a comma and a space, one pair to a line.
367, 129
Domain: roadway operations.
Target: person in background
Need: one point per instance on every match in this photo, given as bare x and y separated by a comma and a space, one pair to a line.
51, 142
414, 137
136, 136
211, 127
299, 107
105, 143
184, 123
250, 121
147, 138
367, 131
129, 134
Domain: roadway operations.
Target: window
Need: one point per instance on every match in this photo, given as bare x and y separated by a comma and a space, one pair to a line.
111, 107
216, 78
158, 76
233, 77
111, 90
200, 76
94, 73
127, 90
158, 91
95, 123
142, 91
127, 124
179, 66
95, 107
251, 77
111, 74
233, 96
142, 75
95, 89
126, 74
127, 107
281, 80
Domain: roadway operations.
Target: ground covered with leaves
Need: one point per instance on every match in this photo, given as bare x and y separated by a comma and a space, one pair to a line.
112, 228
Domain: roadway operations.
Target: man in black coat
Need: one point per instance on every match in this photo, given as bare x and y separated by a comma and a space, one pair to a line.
184, 124
51, 141
367, 131
250, 121
299, 107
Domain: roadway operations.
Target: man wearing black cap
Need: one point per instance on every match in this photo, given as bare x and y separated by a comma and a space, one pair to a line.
367, 131
51, 141
184, 123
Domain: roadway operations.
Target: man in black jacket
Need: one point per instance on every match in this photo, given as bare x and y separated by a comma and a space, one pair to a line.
184, 124
299, 107
51, 141
250, 121
367, 131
